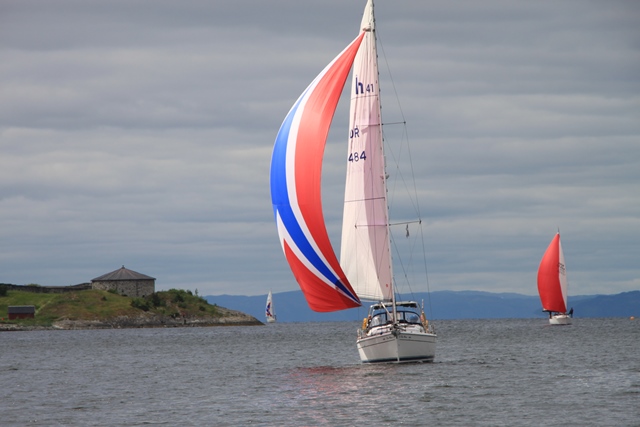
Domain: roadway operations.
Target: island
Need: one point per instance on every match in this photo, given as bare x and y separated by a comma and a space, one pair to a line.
81, 308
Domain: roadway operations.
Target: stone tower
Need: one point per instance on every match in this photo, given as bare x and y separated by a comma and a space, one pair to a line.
125, 282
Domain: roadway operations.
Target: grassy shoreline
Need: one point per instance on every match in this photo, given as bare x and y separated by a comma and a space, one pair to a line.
93, 309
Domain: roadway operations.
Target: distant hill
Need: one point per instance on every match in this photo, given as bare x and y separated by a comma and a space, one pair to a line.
292, 307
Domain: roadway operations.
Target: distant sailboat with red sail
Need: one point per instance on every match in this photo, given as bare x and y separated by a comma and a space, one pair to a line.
552, 284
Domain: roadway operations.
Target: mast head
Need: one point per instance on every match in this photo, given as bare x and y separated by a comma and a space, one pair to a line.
368, 20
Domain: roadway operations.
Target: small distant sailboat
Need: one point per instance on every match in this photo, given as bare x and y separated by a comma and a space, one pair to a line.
393, 331
269, 310
552, 284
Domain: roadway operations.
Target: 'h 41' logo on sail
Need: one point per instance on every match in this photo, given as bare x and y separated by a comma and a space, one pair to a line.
361, 88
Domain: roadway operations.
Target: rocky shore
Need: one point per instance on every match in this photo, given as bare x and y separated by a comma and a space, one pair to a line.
145, 320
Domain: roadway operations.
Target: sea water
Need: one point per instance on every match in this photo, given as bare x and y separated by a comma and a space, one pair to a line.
486, 373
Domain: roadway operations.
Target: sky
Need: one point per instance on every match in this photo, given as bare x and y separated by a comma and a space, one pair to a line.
139, 133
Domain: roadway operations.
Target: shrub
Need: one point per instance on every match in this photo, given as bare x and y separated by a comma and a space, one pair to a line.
140, 304
3, 291
156, 301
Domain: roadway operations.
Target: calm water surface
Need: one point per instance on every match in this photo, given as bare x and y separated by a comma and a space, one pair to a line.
486, 373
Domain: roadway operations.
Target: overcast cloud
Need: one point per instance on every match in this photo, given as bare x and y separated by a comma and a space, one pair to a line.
139, 133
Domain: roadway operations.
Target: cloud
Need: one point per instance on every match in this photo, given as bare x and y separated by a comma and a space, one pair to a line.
140, 133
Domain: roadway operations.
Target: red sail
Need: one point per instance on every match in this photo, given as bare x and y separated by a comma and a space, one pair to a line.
551, 278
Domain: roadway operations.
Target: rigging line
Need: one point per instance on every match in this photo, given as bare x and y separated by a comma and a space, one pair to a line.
412, 193
384, 56
364, 199
417, 221
405, 133
407, 282
413, 175
426, 272
417, 205
391, 224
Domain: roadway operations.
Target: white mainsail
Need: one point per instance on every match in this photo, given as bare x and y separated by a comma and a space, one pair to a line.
364, 254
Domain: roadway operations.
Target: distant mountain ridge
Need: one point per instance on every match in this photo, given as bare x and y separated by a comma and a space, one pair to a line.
292, 307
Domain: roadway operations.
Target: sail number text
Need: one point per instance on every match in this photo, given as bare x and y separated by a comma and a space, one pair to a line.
356, 157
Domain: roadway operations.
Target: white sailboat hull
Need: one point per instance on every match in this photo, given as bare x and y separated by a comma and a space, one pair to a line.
397, 347
560, 319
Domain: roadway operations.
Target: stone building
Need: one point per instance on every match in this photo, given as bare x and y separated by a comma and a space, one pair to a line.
125, 282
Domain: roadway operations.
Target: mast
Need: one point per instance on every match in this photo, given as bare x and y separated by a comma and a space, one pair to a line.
365, 254
365, 242
384, 164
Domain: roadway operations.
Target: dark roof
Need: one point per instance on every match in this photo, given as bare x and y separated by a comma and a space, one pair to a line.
20, 309
122, 274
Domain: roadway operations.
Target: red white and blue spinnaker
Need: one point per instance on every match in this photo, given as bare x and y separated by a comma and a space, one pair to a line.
296, 169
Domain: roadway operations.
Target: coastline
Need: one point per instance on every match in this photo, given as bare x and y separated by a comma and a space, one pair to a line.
99, 309
144, 320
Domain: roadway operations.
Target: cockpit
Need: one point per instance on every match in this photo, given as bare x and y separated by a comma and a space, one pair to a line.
406, 313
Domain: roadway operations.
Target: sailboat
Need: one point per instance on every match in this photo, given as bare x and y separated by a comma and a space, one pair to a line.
393, 331
269, 310
552, 284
